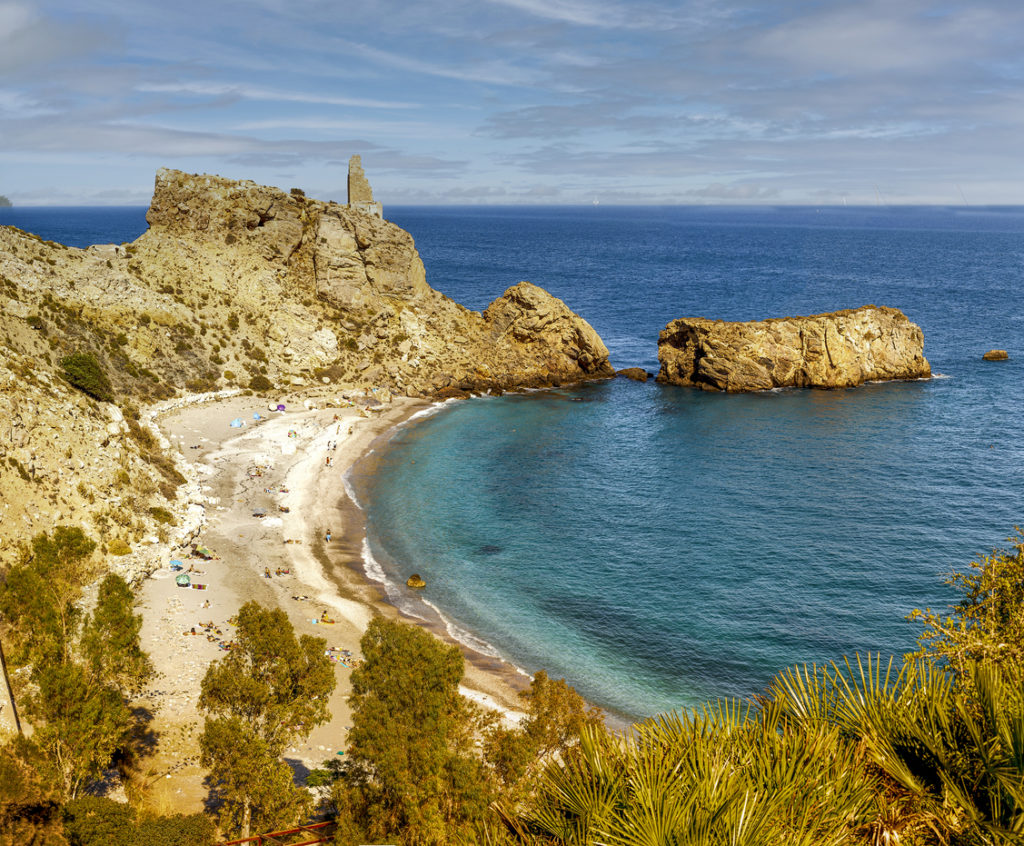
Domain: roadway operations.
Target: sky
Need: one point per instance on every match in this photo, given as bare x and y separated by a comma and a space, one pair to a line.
518, 101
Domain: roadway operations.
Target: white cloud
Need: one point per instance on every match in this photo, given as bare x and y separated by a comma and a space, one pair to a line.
248, 92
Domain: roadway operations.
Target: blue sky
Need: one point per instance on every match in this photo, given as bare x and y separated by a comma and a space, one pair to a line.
518, 101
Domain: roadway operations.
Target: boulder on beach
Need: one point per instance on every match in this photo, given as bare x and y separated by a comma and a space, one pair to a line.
996, 355
415, 581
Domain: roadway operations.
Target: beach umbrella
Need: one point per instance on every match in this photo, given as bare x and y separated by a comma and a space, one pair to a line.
176, 561
256, 416
280, 406
236, 423
183, 580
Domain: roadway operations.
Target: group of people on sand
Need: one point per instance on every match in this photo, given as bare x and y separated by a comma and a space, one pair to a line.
213, 634
277, 572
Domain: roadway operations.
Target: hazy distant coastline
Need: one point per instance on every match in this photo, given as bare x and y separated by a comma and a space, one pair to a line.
5, 203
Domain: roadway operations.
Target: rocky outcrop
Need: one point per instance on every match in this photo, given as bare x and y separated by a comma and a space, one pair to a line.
836, 350
637, 374
996, 355
233, 284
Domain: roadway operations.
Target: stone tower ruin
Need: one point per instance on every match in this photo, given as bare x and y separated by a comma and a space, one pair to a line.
360, 195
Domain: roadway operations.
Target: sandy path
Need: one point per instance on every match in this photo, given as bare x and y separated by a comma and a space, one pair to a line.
289, 453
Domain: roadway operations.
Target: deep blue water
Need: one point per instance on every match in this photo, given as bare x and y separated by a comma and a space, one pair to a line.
659, 546
78, 226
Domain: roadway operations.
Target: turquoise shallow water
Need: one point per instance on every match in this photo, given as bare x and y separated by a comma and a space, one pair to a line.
659, 546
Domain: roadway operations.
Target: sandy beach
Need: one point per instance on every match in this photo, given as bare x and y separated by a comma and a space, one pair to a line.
289, 466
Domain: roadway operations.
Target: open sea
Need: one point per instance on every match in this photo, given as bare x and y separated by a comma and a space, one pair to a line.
659, 546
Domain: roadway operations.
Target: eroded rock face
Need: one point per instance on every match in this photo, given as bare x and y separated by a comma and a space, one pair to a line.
233, 284
836, 350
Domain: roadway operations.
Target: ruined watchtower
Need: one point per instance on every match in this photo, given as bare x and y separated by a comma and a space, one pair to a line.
360, 195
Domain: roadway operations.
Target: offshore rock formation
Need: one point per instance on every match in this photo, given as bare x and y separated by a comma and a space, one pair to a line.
637, 374
836, 350
233, 285
996, 355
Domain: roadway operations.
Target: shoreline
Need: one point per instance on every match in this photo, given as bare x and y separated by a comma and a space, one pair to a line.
281, 464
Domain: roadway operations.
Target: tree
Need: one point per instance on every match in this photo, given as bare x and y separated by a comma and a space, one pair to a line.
82, 669
270, 690
556, 716
411, 771
41, 594
30, 813
110, 641
987, 623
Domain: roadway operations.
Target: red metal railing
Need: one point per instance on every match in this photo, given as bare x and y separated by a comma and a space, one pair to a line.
273, 839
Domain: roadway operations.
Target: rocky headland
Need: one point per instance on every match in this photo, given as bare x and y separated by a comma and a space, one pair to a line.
836, 350
233, 286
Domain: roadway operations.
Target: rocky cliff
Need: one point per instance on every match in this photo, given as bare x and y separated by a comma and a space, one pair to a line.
234, 285
836, 350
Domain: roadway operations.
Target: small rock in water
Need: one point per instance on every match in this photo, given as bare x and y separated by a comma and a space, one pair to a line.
414, 581
996, 355
637, 374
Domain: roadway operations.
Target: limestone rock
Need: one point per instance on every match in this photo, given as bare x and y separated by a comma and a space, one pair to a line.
996, 355
414, 581
637, 374
232, 282
836, 350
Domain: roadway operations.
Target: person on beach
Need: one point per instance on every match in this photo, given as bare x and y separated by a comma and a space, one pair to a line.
328, 537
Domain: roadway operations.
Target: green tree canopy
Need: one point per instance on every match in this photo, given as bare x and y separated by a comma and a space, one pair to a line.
30, 811
411, 771
987, 623
269, 690
42, 593
110, 641
82, 668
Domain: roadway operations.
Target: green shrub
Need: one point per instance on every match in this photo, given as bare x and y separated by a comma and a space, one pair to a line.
161, 515
118, 547
176, 830
201, 385
97, 821
84, 372
260, 383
